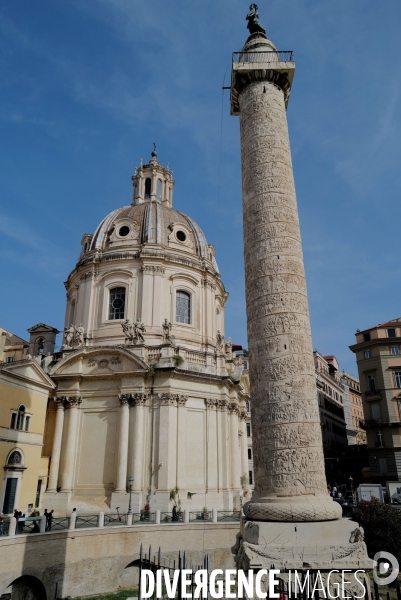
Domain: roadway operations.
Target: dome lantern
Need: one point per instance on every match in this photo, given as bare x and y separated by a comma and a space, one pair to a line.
153, 183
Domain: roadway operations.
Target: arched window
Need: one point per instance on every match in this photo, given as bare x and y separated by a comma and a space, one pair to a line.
19, 419
40, 345
159, 188
15, 458
117, 303
183, 307
148, 187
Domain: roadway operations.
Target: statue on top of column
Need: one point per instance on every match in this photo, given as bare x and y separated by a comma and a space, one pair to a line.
253, 20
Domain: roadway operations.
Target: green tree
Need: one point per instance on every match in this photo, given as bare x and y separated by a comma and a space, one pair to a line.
382, 526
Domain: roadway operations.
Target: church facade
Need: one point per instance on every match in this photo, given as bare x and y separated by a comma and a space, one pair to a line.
149, 396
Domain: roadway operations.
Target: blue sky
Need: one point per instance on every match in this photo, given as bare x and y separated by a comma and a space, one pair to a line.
88, 85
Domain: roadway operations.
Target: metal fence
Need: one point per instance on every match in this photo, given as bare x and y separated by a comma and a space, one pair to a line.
114, 519
168, 517
84, 521
154, 563
27, 525
60, 523
200, 516
228, 516
144, 517
263, 57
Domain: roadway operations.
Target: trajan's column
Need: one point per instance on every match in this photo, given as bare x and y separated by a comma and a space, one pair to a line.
290, 504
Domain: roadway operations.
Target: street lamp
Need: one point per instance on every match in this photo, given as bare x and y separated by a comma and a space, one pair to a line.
131, 479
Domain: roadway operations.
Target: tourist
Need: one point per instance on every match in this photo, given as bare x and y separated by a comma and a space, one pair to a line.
175, 517
20, 522
49, 519
1, 523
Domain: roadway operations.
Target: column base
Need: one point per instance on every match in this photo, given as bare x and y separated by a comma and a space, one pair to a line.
296, 510
121, 499
57, 501
325, 545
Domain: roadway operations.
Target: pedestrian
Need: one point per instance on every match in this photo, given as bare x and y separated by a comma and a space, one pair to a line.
175, 518
1, 523
20, 522
49, 519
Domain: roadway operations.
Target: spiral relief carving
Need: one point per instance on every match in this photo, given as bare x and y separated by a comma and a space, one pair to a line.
290, 483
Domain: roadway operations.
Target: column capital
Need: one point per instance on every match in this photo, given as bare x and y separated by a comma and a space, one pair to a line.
242, 416
233, 409
59, 400
210, 403
181, 400
73, 401
124, 399
167, 399
138, 399
222, 405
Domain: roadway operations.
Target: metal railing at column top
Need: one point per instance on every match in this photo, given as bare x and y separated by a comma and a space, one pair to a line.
264, 57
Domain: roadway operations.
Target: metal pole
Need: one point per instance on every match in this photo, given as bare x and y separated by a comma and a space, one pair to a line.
130, 497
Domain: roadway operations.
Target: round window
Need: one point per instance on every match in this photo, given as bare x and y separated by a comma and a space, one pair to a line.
181, 236
124, 230
117, 303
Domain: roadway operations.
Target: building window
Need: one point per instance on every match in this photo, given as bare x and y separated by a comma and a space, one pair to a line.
375, 408
15, 458
371, 384
248, 406
9, 359
250, 477
397, 379
394, 350
159, 187
10, 494
368, 354
391, 333
117, 303
248, 429
38, 490
148, 187
72, 312
249, 453
183, 307
379, 439
19, 419
366, 337
382, 465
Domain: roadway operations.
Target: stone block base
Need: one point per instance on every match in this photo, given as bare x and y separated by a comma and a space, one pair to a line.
57, 501
323, 545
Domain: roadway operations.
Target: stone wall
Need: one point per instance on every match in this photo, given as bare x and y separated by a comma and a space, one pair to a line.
88, 562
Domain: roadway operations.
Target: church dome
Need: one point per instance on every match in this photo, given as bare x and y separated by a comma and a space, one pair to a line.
149, 223
149, 220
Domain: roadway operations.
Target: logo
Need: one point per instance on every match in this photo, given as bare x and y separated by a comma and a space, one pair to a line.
386, 568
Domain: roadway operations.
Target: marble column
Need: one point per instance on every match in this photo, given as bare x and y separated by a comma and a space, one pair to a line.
243, 444
123, 436
138, 401
290, 482
234, 447
223, 451
211, 445
71, 403
56, 451
181, 435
